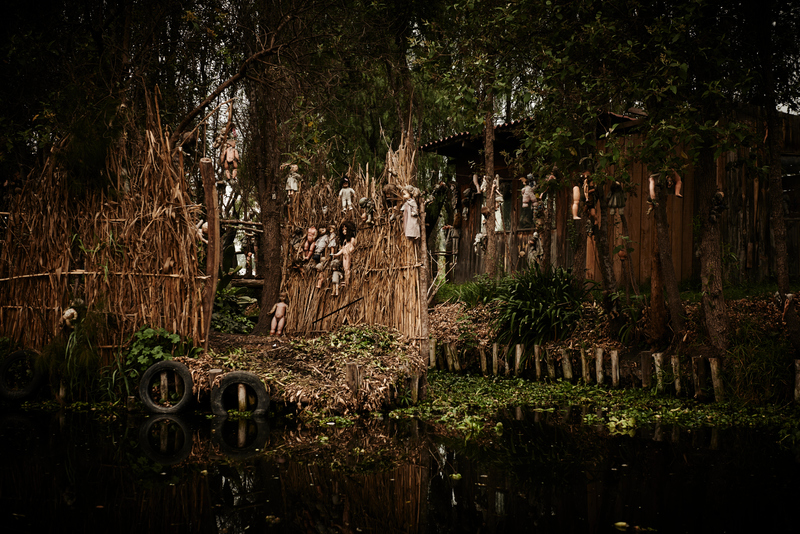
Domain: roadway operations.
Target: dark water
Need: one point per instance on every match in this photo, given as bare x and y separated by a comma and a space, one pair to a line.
546, 472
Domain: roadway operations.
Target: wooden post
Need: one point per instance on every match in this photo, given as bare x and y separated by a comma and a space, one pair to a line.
164, 386
213, 248
414, 379
797, 380
646, 358
598, 365
587, 376
242, 393
454, 355
520, 350
566, 365
432, 354
716, 379
699, 376
676, 371
551, 364
241, 438
506, 358
658, 359
537, 361
482, 352
615, 368
352, 377
495, 350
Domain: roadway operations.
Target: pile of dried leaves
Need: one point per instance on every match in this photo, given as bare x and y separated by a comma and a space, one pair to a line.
312, 372
466, 327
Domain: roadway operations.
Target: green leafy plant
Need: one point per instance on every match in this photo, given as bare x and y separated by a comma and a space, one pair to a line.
481, 290
230, 306
538, 305
151, 345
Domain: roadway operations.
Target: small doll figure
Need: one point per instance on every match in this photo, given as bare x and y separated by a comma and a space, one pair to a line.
368, 206
535, 251
229, 158
347, 234
201, 230
589, 195
346, 195
320, 267
331, 240
320, 244
336, 277
293, 180
308, 244
410, 214
392, 194
279, 318
616, 199
529, 200
653, 183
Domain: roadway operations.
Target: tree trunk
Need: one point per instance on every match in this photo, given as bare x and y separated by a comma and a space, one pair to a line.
606, 264
657, 331
710, 247
676, 313
490, 261
579, 254
777, 222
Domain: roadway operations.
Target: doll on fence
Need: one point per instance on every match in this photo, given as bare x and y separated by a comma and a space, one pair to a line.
278, 312
336, 277
346, 195
347, 235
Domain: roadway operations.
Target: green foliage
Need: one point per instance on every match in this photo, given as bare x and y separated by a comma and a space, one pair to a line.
482, 289
631, 310
230, 304
538, 305
72, 359
151, 345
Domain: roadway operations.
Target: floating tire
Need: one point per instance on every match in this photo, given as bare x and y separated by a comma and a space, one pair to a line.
166, 439
179, 387
19, 377
224, 397
240, 439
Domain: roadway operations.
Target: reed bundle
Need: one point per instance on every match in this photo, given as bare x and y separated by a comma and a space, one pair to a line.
129, 252
385, 267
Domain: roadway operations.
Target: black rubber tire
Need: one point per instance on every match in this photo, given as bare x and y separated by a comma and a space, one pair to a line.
240, 377
12, 388
154, 371
181, 441
224, 430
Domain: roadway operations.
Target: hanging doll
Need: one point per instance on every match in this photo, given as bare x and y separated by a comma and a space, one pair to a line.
410, 213
616, 199
529, 200
293, 180
489, 190
336, 277
346, 195
320, 267
308, 244
676, 180
320, 244
279, 318
368, 206
347, 235
392, 194
229, 158
589, 193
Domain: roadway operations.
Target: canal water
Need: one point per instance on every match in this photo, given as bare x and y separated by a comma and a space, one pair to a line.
538, 472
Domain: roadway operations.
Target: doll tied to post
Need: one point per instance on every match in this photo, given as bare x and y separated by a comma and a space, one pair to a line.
278, 312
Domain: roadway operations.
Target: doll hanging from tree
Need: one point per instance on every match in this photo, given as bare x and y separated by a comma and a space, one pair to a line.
410, 213
229, 159
293, 180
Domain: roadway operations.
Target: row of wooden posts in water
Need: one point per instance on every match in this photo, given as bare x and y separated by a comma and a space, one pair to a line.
655, 366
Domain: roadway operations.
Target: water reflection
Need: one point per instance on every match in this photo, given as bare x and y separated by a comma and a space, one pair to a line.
541, 471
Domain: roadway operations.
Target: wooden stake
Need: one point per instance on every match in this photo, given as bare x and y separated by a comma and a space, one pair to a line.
716, 379
646, 359
566, 365
520, 350
699, 376
587, 376
242, 398
598, 366
551, 364
615, 368
352, 378
495, 350
506, 358
676, 371
537, 360
164, 386
658, 359
454, 354
482, 352
432, 354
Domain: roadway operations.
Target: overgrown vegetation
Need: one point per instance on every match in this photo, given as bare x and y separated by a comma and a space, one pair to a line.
231, 305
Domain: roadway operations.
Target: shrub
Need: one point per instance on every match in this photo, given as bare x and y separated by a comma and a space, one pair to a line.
481, 290
230, 304
538, 305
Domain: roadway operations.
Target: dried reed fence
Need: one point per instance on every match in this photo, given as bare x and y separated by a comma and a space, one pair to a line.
129, 253
385, 267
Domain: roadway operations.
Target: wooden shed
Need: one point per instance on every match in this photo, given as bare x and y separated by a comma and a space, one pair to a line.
748, 254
